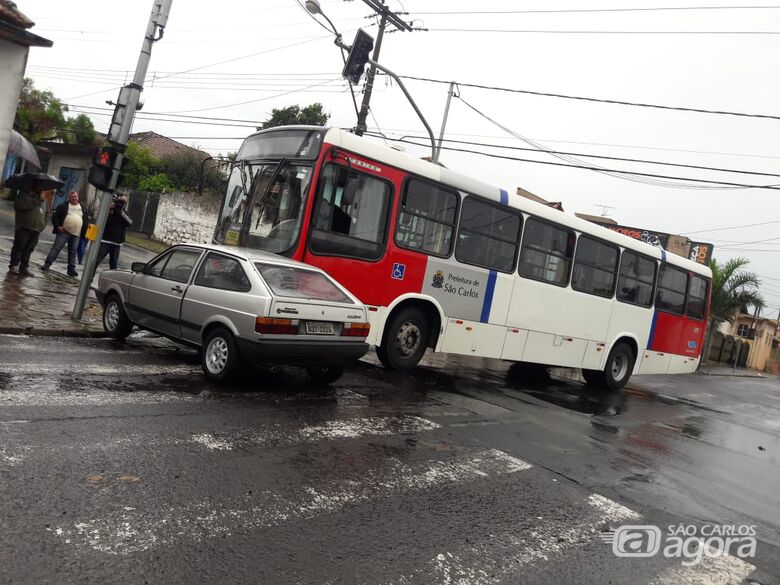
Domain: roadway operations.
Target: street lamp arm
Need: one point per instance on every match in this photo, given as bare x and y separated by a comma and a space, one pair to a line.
400, 83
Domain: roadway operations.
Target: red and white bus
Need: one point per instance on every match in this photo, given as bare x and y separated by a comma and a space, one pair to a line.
444, 261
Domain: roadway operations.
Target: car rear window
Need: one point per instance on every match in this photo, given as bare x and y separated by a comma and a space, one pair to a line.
289, 281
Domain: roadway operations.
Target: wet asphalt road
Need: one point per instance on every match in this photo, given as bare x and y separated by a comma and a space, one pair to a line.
120, 464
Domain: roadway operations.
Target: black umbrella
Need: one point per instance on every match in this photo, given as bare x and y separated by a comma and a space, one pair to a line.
33, 182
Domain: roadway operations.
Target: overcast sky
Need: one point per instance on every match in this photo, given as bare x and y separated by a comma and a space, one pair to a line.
280, 56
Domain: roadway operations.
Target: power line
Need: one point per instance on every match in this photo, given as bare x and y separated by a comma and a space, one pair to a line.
612, 158
597, 100
597, 10
609, 32
592, 168
732, 227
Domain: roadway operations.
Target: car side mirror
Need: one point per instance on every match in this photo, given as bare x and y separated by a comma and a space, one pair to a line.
138, 267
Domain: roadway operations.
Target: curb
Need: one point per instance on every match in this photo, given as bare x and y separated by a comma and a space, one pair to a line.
51, 332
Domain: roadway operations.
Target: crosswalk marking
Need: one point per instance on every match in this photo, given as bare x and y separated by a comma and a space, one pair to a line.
334, 429
129, 530
712, 570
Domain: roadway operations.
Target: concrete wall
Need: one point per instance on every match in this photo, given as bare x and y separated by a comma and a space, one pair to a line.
186, 217
13, 62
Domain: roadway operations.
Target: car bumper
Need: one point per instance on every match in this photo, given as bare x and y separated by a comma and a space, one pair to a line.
101, 296
302, 353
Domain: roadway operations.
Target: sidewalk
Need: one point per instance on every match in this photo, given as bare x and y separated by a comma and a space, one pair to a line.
721, 370
42, 305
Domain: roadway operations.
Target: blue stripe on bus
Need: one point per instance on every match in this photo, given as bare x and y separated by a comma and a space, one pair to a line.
663, 255
504, 197
488, 302
652, 330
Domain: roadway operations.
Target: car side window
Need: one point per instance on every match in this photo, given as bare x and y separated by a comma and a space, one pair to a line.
222, 272
180, 265
155, 268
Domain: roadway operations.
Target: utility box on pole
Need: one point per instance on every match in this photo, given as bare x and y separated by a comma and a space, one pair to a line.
109, 160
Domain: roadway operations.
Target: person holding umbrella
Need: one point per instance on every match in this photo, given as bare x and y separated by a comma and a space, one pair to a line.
70, 224
30, 216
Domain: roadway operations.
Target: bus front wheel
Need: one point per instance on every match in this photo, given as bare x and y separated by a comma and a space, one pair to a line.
617, 370
405, 339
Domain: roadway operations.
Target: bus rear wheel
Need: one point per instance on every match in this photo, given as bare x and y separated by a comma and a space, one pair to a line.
405, 340
617, 370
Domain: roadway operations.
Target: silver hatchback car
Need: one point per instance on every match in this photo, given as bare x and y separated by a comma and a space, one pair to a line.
238, 304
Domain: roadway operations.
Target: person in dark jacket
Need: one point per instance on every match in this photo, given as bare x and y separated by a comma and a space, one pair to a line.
29, 221
70, 224
114, 233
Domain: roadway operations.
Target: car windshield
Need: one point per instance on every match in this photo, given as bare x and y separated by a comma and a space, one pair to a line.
289, 281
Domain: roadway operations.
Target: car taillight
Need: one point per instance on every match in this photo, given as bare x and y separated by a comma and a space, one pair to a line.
355, 329
271, 326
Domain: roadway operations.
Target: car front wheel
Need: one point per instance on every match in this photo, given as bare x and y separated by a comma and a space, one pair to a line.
219, 357
324, 375
115, 321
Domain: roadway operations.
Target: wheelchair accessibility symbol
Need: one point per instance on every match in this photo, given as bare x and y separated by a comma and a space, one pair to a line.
399, 271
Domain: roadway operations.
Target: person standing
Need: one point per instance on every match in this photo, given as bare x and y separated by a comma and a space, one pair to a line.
70, 224
114, 233
29, 221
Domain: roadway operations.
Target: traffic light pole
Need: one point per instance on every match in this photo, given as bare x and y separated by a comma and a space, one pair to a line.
361, 126
121, 125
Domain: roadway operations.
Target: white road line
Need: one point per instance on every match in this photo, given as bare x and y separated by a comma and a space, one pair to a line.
83, 369
712, 570
497, 558
128, 531
335, 429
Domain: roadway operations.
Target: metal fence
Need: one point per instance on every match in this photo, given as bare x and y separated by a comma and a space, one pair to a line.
142, 209
727, 349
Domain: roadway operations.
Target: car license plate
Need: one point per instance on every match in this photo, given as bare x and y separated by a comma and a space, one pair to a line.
319, 328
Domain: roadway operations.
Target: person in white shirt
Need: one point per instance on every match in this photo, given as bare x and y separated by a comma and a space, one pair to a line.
70, 225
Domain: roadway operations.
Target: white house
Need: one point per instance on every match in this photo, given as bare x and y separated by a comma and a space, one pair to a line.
15, 43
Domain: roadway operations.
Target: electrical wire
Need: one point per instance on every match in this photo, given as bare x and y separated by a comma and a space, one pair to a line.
608, 32
589, 168
592, 99
731, 227
596, 10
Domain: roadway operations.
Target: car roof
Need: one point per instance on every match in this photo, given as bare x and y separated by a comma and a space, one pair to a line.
249, 254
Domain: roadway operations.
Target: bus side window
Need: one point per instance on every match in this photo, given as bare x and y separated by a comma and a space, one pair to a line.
697, 297
547, 252
636, 279
672, 286
488, 235
426, 220
595, 265
350, 215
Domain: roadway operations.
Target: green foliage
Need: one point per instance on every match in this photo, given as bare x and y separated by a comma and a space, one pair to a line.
140, 164
41, 116
82, 131
733, 289
184, 167
311, 115
157, 183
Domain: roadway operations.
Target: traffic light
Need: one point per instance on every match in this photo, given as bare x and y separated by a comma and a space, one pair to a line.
358, 56
104, 167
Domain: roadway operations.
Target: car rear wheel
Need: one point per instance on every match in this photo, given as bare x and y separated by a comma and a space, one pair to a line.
115, 321
405, 339
324, 375
219, 357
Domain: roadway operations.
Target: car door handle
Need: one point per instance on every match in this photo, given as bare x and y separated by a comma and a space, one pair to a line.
177, 289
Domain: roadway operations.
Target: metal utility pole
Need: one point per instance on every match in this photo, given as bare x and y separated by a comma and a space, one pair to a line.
118, 134
387, 15
450, 94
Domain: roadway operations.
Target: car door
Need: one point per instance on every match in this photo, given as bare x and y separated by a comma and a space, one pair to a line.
155, 295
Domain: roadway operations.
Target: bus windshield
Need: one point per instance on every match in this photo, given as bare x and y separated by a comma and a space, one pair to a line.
263, 207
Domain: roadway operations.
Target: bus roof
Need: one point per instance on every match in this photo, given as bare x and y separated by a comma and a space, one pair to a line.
434, 172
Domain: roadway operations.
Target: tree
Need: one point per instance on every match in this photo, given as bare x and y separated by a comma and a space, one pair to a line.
733, 290
184, 171
139, 164
311, 115
41, 116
